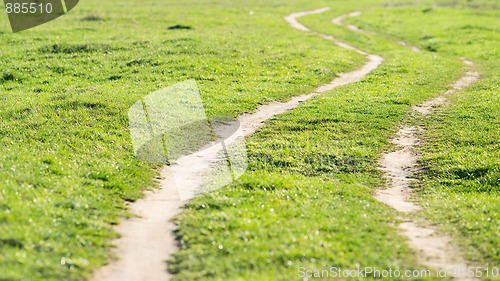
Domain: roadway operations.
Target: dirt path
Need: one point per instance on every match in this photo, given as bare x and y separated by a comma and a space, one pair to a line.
338, 21
147, 240
435, 249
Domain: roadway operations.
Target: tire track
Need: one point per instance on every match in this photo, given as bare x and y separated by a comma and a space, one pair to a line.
434, 249
338, 21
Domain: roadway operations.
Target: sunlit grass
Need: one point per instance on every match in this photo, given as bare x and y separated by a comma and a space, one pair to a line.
306, 201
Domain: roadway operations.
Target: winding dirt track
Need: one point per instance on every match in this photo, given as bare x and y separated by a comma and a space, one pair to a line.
435, 249
148, 240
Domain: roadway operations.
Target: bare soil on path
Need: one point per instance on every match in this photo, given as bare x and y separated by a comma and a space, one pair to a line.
147, 240
434, 248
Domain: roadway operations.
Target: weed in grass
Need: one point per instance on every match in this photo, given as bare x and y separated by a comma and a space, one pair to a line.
8, 76
93, 17
179, 26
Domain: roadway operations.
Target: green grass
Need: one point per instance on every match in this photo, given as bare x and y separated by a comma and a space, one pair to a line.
306, 201
67, 165
460, 181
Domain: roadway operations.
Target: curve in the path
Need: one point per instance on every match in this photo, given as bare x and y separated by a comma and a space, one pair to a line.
338, 21
148, 240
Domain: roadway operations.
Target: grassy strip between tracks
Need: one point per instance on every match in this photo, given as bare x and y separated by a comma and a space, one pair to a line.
306, 200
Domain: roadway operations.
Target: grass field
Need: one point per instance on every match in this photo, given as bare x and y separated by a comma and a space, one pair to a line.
67, 165
306, 201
